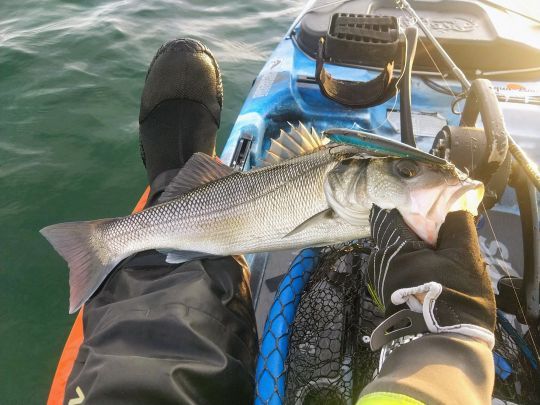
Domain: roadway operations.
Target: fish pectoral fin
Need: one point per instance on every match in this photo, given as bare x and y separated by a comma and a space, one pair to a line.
316, 219
200, 169
182, 256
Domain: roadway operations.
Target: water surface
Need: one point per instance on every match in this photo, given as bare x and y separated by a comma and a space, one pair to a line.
71, 74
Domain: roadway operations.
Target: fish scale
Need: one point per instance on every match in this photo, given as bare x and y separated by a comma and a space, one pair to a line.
236, 214
319, 198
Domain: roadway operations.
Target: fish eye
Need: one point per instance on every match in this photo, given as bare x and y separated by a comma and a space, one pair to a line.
407, 169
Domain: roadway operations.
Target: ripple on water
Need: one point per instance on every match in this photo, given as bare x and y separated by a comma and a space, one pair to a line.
71, 74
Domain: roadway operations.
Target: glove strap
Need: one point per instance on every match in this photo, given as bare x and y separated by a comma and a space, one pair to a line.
394, 344
402, 323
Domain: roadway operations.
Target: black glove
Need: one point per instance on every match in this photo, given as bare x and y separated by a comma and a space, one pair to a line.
452, 278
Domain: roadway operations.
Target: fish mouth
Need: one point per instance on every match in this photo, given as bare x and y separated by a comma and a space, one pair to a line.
467, 198
464, 196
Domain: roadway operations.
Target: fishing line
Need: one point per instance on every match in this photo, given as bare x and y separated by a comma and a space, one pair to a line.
398, 81
338, 2
396, 87
309, 9
455, 105
505, 269
443, 76
393, 109
458, 97
472, 159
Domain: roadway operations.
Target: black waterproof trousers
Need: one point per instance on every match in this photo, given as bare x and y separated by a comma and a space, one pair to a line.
157, 333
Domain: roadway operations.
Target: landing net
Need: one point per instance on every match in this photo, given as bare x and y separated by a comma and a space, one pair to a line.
517, 374
329, 359
319, 353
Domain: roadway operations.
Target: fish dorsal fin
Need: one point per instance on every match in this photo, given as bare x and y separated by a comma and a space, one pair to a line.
200, 169
298, 141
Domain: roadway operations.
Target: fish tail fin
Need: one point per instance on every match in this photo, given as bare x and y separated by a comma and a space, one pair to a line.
88, 263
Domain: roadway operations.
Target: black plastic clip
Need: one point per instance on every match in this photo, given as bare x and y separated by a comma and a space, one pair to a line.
241, 153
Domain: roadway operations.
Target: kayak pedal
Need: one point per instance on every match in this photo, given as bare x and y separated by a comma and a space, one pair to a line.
358, 40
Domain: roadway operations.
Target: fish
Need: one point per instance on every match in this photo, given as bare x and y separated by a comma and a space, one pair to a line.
308, 191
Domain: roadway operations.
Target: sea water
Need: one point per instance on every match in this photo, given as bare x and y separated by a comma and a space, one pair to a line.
71, 75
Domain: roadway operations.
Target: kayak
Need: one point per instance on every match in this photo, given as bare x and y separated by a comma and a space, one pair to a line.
287, 91
308, 355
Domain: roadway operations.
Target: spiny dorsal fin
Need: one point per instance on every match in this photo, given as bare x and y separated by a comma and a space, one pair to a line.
200, 169
289, 141
299, 141
303, 132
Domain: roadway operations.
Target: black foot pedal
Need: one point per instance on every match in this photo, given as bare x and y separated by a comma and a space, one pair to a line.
359, 40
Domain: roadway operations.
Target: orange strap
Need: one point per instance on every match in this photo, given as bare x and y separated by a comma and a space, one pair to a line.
74, 342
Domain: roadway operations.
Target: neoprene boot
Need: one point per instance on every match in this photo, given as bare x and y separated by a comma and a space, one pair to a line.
180, 106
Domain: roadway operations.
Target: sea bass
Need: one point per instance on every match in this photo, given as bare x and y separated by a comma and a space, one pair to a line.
304, 194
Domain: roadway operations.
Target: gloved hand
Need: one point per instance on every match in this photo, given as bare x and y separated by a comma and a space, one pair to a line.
448, 285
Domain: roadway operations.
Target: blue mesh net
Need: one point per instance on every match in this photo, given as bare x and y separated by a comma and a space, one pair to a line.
315, 344
317, 331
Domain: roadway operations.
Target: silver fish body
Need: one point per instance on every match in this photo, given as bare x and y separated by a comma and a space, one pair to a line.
318, 198
244, 212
